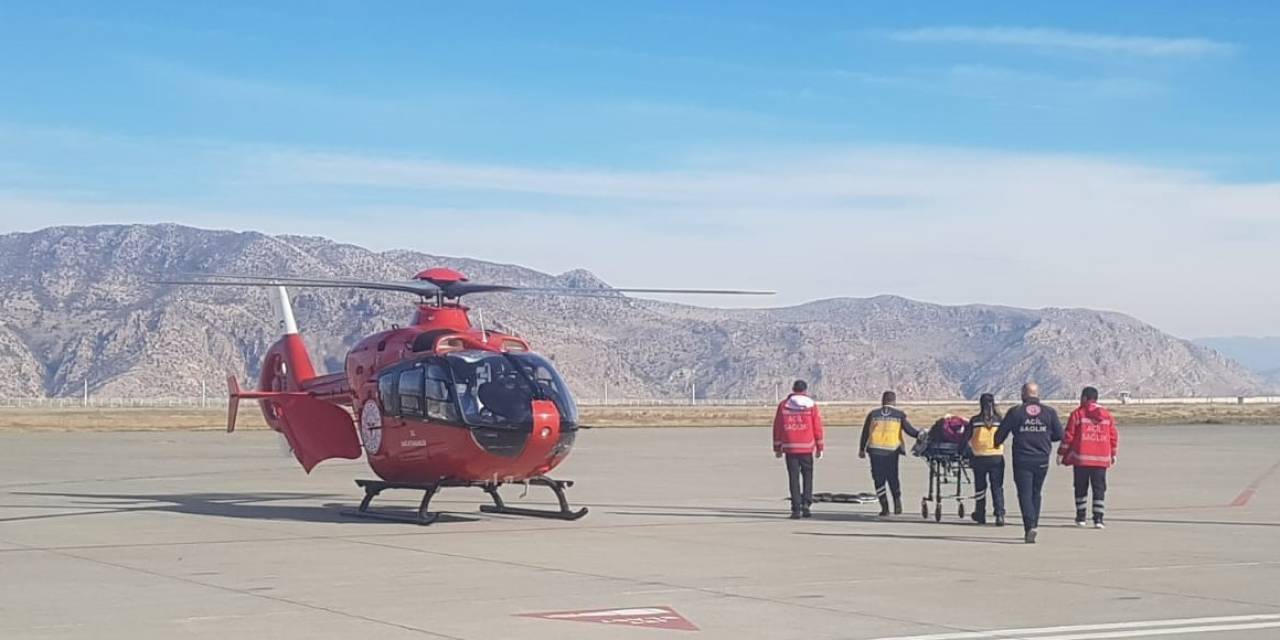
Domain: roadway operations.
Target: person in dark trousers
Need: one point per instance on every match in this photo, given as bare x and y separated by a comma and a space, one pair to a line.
882, 438
1090, 444
987, 461
1034, 427
797, 435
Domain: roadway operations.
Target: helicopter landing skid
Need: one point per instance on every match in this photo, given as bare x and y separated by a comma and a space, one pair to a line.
425, 516
556, 486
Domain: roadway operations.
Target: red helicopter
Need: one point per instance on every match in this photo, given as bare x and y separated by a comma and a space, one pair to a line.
438, 403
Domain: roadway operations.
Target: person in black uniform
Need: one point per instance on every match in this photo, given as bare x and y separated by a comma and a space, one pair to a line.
987, 461
1034, 427
882, 438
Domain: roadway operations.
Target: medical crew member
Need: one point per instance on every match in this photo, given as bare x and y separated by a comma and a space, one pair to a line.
987, 461
1090, 444
882, 438
797, 435
1034, 427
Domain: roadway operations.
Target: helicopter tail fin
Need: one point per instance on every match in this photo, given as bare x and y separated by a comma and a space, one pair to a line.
316, 430
287, 366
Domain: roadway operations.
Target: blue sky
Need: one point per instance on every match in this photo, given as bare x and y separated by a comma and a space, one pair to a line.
849, 142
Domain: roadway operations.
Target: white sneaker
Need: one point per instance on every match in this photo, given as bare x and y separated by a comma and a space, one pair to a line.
1097, 525
1080, 523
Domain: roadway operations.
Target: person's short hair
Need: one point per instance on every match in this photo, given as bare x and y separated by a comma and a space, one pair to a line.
1090, 394
889, 397
799, 386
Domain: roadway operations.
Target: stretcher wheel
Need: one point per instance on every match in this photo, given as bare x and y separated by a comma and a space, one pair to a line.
961, 511
924, 508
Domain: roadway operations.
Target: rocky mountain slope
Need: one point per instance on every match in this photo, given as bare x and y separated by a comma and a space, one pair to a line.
78, 305
1259, 354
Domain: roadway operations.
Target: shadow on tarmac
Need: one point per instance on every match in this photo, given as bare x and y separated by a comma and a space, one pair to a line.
259, 506
252, 506
1206, 523
673, 511
904, 536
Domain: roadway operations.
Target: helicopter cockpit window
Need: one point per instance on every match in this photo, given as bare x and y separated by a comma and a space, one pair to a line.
550, 385
410, 393
439, 401
387, 394
498, 390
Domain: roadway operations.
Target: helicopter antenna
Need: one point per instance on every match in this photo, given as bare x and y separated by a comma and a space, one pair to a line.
480, 314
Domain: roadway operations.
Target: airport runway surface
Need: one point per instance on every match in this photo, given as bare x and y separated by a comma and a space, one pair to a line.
210, 535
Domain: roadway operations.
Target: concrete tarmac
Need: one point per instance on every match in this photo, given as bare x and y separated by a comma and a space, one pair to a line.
209, 535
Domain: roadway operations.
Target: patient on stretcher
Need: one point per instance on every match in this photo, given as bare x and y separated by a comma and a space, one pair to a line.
946, 437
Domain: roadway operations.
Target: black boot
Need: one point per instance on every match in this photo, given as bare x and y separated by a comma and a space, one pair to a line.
884, 507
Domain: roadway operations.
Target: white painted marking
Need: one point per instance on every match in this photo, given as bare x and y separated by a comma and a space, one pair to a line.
1147, 633
1145, 627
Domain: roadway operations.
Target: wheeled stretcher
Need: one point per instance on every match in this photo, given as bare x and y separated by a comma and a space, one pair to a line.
949, 476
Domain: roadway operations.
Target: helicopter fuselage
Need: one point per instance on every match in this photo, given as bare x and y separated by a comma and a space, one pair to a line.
438, 400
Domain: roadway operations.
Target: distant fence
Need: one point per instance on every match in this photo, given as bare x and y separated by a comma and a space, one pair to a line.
212, 402
1205, 400
112, 403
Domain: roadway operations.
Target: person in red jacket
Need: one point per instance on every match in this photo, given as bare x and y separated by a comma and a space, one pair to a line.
797, 435
1089, 444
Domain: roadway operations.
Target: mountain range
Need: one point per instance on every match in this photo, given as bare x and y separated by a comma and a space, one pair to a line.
1259, 354
79, 306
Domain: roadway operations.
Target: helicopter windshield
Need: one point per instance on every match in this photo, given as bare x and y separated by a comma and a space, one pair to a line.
497, 389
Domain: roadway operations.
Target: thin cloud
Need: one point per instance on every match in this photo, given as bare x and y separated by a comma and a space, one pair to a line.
1147, 46
1060, 230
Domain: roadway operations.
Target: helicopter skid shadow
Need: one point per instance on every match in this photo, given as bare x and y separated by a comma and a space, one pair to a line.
403, 516
250, 506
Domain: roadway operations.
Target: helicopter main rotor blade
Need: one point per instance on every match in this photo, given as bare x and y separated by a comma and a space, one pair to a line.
603, 290
449, 289
417, 288
416, 284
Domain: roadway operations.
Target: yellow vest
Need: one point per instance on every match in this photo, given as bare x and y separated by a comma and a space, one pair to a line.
886, 433
984, 440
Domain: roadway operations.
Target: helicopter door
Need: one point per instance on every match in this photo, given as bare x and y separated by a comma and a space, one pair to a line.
316, 430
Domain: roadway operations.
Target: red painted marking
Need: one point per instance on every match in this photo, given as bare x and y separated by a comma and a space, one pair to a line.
647, 617
1244, 497
1252, 489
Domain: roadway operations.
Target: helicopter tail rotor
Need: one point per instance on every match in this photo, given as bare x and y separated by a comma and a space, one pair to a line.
233, 401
